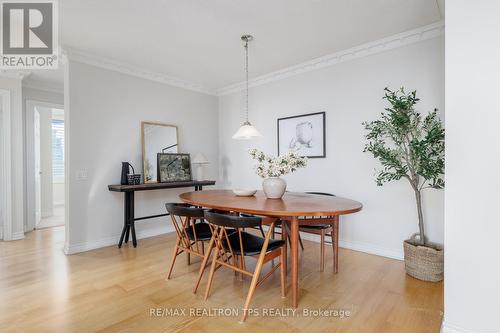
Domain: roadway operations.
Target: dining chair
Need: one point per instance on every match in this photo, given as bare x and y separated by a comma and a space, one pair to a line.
278, 225
191, 231
323, 227
265, 220
232, 247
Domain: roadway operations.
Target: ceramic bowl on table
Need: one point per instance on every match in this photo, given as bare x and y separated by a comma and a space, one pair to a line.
244, 192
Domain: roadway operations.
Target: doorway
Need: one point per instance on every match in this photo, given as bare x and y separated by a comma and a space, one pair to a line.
46, 178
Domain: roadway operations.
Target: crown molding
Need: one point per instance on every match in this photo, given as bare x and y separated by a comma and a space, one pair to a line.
106, 63
399, 40
402, 39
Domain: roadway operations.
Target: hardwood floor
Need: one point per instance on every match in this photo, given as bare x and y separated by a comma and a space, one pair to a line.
113, 290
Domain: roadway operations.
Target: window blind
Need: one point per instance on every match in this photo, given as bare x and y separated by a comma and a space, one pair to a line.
58, 149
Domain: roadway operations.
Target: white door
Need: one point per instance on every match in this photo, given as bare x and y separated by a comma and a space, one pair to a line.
38, 170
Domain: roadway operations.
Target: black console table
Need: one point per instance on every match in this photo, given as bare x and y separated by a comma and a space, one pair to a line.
129, 190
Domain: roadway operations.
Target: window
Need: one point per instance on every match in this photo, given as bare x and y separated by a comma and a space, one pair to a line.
58, 150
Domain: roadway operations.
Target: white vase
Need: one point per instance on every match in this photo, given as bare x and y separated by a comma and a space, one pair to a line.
274, 187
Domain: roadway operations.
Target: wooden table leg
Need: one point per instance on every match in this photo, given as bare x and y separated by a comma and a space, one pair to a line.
124, 230
132, 218
126, 220
127, 234
294, 237
335, 241
284, 237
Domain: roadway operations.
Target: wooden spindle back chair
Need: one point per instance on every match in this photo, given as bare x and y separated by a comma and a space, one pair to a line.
323, 226
191, 231
232, 245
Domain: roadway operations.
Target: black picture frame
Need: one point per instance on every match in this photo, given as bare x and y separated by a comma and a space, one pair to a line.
168, 173
323, 130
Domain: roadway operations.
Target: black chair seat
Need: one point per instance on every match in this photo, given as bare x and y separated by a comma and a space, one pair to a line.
316, 226
252, 244
203, 232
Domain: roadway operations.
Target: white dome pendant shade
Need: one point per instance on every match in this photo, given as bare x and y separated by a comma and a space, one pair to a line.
247, 130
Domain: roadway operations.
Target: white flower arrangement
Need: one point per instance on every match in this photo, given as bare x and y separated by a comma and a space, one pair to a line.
276, 166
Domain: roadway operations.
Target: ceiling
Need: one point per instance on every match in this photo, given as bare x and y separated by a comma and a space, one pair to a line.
199, 41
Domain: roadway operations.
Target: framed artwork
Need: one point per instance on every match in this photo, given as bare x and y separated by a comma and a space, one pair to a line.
173, 167
304, 133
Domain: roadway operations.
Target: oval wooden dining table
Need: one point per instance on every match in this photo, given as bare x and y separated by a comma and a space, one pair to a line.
289, 208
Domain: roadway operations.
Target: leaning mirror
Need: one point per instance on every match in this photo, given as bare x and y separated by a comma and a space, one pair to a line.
156, 138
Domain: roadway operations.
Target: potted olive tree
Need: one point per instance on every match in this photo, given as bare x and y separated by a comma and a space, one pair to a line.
411, 146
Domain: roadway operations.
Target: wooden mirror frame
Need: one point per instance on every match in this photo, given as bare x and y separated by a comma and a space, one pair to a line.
143, 143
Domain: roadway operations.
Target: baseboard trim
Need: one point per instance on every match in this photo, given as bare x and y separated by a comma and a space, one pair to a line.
110, 241
372, 249
17, 235
450, 328
361, 247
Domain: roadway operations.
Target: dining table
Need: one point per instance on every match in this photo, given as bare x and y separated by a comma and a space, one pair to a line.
292, 209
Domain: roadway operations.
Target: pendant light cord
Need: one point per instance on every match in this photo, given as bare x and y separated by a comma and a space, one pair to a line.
246, 71
246, 130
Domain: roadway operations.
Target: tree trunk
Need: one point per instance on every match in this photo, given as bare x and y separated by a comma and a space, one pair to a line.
418, 198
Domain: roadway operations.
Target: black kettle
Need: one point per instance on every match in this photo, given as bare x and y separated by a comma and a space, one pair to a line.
125, 171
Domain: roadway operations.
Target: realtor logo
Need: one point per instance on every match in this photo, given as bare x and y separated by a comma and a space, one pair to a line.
29, 34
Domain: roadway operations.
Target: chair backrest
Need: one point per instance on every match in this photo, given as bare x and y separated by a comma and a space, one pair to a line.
321, 193
225, 227
232, 221
180, 209
183, 218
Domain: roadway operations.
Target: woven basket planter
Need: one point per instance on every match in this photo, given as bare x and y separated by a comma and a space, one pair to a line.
423, 262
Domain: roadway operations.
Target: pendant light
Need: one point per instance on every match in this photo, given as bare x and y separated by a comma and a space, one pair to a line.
246, 130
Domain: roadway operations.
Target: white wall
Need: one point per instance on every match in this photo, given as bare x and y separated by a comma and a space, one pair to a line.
350, 93
17, 157
103, 113
472, 227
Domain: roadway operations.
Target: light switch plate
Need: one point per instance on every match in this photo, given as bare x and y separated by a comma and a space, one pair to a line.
81, 175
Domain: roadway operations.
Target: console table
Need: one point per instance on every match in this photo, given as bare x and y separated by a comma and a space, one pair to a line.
129, 190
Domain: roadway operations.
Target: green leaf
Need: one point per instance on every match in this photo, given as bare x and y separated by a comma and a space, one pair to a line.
406, 144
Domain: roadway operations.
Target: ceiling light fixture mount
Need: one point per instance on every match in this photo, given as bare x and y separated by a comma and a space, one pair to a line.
247, 38
246, 130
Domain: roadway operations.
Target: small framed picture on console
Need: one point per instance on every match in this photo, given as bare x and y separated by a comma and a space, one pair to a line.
174, 167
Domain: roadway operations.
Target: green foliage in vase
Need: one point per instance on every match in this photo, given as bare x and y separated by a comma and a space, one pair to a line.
408, 145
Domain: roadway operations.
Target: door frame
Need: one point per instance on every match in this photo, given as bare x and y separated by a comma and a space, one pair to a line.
5, 167
30, 158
